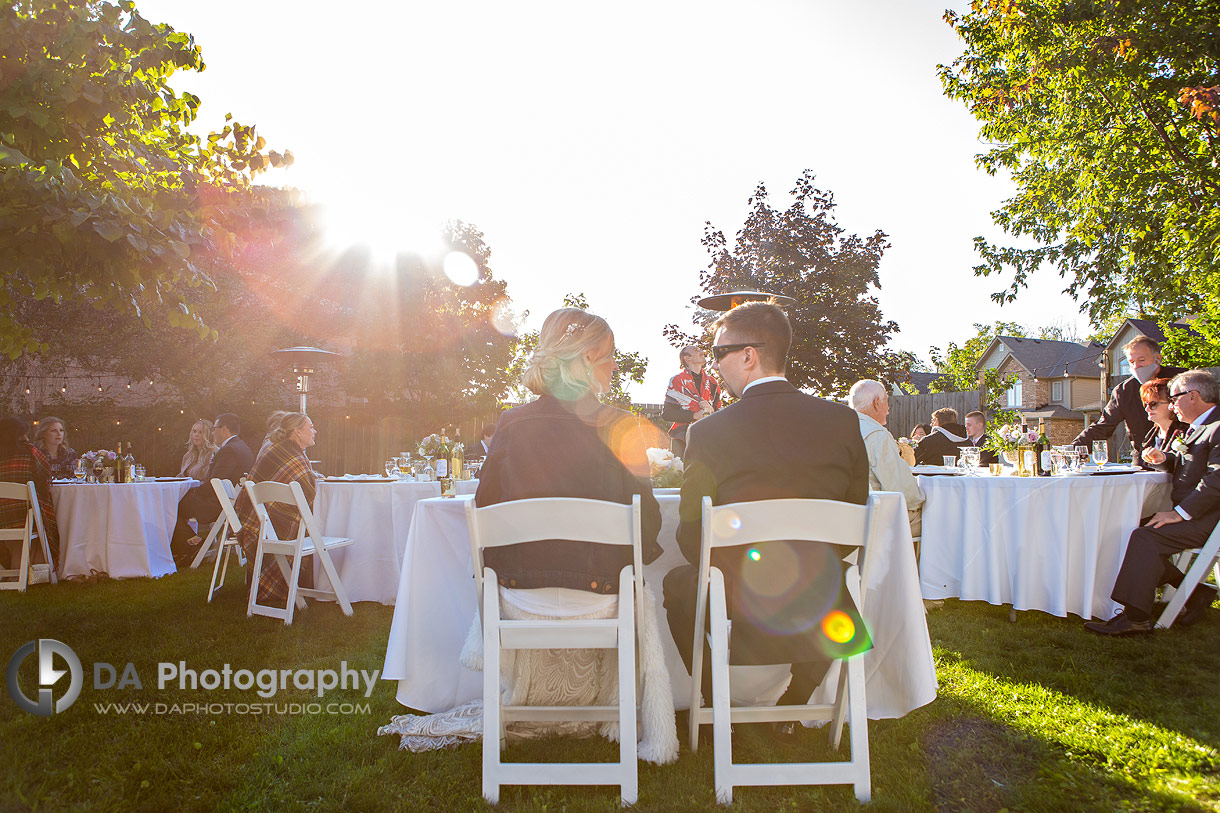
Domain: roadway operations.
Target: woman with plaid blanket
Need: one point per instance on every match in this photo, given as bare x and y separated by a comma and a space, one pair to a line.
284, 461
20, 463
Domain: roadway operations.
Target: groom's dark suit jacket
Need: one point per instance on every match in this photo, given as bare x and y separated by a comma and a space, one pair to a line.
776, 442
1195, 487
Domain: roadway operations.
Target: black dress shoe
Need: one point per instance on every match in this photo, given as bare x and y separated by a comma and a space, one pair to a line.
1119, 625
1197, 605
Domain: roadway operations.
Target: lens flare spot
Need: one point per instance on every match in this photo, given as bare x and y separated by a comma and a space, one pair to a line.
503, 318
461, 269
727, 524
838, 626
755, 555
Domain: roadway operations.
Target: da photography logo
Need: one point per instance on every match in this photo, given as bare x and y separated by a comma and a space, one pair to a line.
48, 677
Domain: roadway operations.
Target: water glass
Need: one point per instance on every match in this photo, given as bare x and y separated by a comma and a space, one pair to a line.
950, 461
391, 468
996, 469
1101, 452
137, 472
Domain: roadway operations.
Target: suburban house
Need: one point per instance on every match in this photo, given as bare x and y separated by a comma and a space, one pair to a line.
1059, 382
1117, 367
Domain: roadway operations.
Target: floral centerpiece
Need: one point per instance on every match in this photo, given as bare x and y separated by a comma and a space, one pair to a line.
100, 458
906, 450
665, 468
431, 445
1009, 438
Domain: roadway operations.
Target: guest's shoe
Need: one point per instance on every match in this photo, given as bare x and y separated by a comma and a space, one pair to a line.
1119, 625
1197, 605
785, 732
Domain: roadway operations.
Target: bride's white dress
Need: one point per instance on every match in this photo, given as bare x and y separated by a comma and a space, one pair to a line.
558, 677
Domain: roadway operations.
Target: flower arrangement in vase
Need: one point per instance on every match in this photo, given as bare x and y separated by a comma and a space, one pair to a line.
665, 468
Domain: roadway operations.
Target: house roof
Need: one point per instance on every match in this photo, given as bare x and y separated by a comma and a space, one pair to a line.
922, 382
1052, 412
1151, 329
1048, 358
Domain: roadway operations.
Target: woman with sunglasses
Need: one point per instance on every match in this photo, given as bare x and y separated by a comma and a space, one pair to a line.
1165, 424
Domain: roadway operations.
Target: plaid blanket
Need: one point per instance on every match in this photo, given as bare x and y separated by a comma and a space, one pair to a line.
282, 462
30, 464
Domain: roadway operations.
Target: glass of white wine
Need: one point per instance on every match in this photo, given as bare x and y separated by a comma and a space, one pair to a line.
1101, 452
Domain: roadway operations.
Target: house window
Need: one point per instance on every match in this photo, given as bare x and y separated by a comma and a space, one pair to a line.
1124, 367
1057, 392
1014, 394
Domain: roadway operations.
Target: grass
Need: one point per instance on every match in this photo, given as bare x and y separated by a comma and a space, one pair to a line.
1037, 715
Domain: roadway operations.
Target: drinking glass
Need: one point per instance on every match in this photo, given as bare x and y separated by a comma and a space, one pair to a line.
1101, 452
950, 461
972, 455
137, 472
391, 468
81, 472
996, 469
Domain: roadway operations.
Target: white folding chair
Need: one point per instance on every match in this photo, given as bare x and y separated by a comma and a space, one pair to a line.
748, 523
33, 529
1206, 558
224, 533
309, 541
579, 520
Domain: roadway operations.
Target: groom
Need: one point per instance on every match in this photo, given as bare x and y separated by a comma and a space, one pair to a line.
775, 442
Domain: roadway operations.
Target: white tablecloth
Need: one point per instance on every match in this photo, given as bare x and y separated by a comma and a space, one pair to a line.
436, 604
377, 515
122, 529
1038, 543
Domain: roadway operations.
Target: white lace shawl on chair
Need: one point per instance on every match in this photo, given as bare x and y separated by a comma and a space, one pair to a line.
557, 677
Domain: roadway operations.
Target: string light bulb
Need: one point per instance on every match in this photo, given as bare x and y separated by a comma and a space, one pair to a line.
27, 390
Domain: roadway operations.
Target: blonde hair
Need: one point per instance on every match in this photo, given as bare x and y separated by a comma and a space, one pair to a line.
273, 420
44, 425
558, 366
209, 447
289, 423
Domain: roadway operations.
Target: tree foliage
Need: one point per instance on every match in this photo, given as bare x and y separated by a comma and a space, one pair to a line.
838, 333
105, 197
631, 365
1104, 113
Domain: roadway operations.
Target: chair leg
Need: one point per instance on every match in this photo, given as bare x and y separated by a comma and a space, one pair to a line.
256, 574
1194, 575
23, 578
223, 553
336, 585
841, 708
491, 692
46, 552
293, 597
629, 790
208, 541
859, 728
722, 722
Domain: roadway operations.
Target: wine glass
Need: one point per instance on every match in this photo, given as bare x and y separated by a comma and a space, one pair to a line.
80, 472
1101, 452
391, 468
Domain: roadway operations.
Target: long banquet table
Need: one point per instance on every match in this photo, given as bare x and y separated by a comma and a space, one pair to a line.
122, 529
377, 515
1038, 543
436, 604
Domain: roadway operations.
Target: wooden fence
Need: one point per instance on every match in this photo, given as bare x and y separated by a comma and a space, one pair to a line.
908, 410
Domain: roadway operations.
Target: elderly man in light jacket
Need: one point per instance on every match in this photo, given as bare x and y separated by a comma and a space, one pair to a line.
887, 471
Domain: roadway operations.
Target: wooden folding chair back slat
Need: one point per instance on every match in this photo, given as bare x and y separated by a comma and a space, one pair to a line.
828, 521
309, 541
18, 578
578, 520
1202, 559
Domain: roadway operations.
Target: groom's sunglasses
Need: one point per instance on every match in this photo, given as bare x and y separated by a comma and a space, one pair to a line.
719, 351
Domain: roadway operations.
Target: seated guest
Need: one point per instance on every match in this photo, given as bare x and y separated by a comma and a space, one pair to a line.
231, 460
946, 437
1165, 425
273, 423
976, 436
1195, 492
51, 439
199, 452
760, 448
484, 447
285, 461
692, 394
568, 444
886, 470
921, 431
22, 463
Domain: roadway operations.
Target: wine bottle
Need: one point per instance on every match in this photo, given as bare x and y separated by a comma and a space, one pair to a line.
456, 455
1044, 450
129, 465
119, 476
442, 457
1025, 453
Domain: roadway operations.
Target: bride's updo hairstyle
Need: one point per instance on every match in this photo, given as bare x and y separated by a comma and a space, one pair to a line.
559, 365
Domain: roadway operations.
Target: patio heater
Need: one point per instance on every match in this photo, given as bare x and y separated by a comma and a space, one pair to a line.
726, 302
304, 361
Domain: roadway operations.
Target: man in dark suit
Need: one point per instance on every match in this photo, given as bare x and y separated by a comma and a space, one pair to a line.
774, 442
976, 436
232, 460
946, 438
1125, 405
1195, 493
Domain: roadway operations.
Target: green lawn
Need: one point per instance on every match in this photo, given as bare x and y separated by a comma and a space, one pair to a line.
1037, 715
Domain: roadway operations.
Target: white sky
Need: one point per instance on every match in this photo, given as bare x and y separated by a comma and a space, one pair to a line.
590, 142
